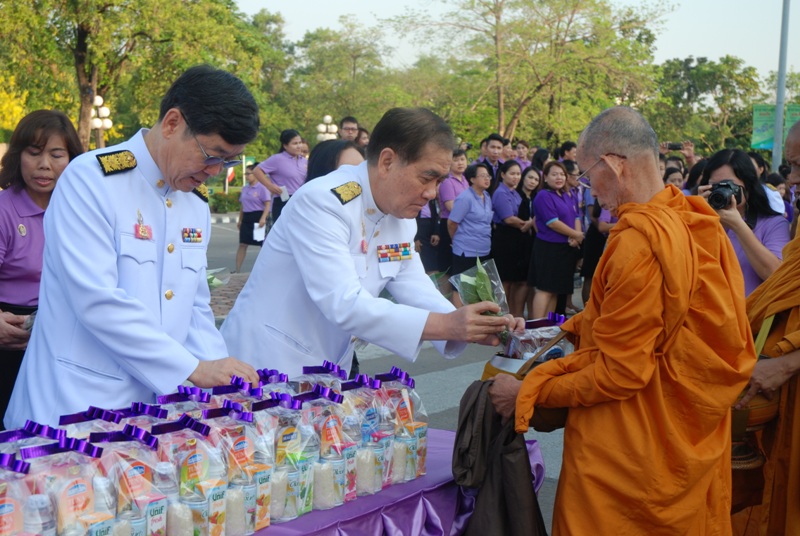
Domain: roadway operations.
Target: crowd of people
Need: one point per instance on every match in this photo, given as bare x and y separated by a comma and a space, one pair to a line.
683, 258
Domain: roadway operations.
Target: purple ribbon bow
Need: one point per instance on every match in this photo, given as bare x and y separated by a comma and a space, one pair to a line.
11, 463
185, 394
128, 433
90, 414
272, 376
361, 380
335, 369
185, 422
140, 408
399, 375
286, 400
557, 319
64, 444
328, 393
230, 409
42, 430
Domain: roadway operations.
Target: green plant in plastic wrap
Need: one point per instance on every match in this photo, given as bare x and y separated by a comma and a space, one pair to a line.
482, 283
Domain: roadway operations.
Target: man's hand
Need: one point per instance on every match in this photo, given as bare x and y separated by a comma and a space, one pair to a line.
12, 336
219, 372
503, 394
769, 375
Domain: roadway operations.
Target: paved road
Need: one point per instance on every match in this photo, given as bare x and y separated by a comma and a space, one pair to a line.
440, 382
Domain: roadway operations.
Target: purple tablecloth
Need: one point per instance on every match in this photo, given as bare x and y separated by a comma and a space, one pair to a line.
426, 506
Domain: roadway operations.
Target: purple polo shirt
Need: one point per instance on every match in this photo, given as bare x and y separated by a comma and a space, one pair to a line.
549, 206
523, 163
607, 217
21, 248
473, 237
285, 170
450, 188
505, 202
773, 232
254, 197
425, 212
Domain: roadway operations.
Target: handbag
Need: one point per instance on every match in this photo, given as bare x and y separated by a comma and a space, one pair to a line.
544, 419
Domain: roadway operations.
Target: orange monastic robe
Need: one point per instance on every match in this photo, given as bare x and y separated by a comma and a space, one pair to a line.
779, 514
664, 349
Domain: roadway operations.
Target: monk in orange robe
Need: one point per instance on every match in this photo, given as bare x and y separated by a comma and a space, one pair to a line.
779, 295
663, 349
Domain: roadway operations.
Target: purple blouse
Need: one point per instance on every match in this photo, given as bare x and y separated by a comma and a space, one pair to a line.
285, 170
473, 215
450, 188
21, 248
505, 202
548, 206
773, 232
253, 198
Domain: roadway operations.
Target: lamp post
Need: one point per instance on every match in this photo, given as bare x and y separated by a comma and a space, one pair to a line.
101, 121
327, 130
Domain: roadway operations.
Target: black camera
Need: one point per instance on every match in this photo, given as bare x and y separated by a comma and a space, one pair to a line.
721, 193
674, 146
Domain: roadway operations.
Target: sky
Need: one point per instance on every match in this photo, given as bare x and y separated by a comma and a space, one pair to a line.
749, 29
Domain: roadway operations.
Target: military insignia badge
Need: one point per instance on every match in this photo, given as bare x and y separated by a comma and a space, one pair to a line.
347, 192
201, 192
192, 234
116, 162
140, 230
394, 252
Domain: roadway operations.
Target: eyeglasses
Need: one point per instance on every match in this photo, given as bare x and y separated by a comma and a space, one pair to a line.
211, 160
584, 175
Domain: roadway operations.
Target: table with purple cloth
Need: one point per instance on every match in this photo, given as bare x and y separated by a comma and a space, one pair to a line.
430, 505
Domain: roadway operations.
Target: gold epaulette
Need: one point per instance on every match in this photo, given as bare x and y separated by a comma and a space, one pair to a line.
347, 191
201, 192
116, 162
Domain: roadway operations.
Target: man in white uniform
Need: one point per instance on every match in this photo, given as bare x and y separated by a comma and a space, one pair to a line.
343, 238
124, 303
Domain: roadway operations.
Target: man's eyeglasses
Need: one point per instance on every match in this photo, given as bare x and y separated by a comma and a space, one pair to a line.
584, 174
211, 160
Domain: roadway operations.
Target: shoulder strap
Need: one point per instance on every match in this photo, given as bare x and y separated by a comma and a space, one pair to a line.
763, 333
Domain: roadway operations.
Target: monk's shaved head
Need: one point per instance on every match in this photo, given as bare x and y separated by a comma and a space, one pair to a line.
794, 132
620, 130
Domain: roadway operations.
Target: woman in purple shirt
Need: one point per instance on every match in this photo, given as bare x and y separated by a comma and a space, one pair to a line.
284, 171
450, 188
757, 232
254, 199
41, 146
559, 234
509, 237
470, 223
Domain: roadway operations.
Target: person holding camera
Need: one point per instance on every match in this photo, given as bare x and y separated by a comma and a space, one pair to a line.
757, 232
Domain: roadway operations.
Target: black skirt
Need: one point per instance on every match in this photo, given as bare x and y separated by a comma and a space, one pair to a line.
445, 248
428, 253
593, 246
553, 266
246, 229
511, 251
12, 360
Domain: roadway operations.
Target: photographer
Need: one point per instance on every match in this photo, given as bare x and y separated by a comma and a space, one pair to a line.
757, 232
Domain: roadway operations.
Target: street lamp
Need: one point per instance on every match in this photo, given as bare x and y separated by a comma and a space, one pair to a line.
101, 121
326, 130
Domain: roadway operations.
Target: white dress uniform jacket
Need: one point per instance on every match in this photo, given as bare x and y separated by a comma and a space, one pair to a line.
314, 291
120, 317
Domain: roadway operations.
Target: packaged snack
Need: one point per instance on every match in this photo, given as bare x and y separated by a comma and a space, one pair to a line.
235, 434
239, 391
203, 483
320, 375
179, 515
404, 408
296, 447
65, 471
14, 498
527, 344
189, 400
128, 463
80, 425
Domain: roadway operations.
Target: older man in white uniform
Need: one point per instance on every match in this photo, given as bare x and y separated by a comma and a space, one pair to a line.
124, 303
343, 238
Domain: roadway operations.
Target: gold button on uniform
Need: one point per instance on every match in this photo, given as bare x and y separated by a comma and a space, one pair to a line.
169, 294
160, 183
169, 202
170, 248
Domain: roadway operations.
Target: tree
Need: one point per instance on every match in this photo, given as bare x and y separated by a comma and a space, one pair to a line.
550, 60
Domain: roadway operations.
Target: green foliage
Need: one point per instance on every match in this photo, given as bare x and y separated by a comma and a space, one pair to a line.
220, 202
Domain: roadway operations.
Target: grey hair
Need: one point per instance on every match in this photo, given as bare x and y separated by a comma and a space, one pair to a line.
620, 130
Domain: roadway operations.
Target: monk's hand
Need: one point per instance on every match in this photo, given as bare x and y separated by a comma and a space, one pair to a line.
220, 371
769, 375
503, 394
